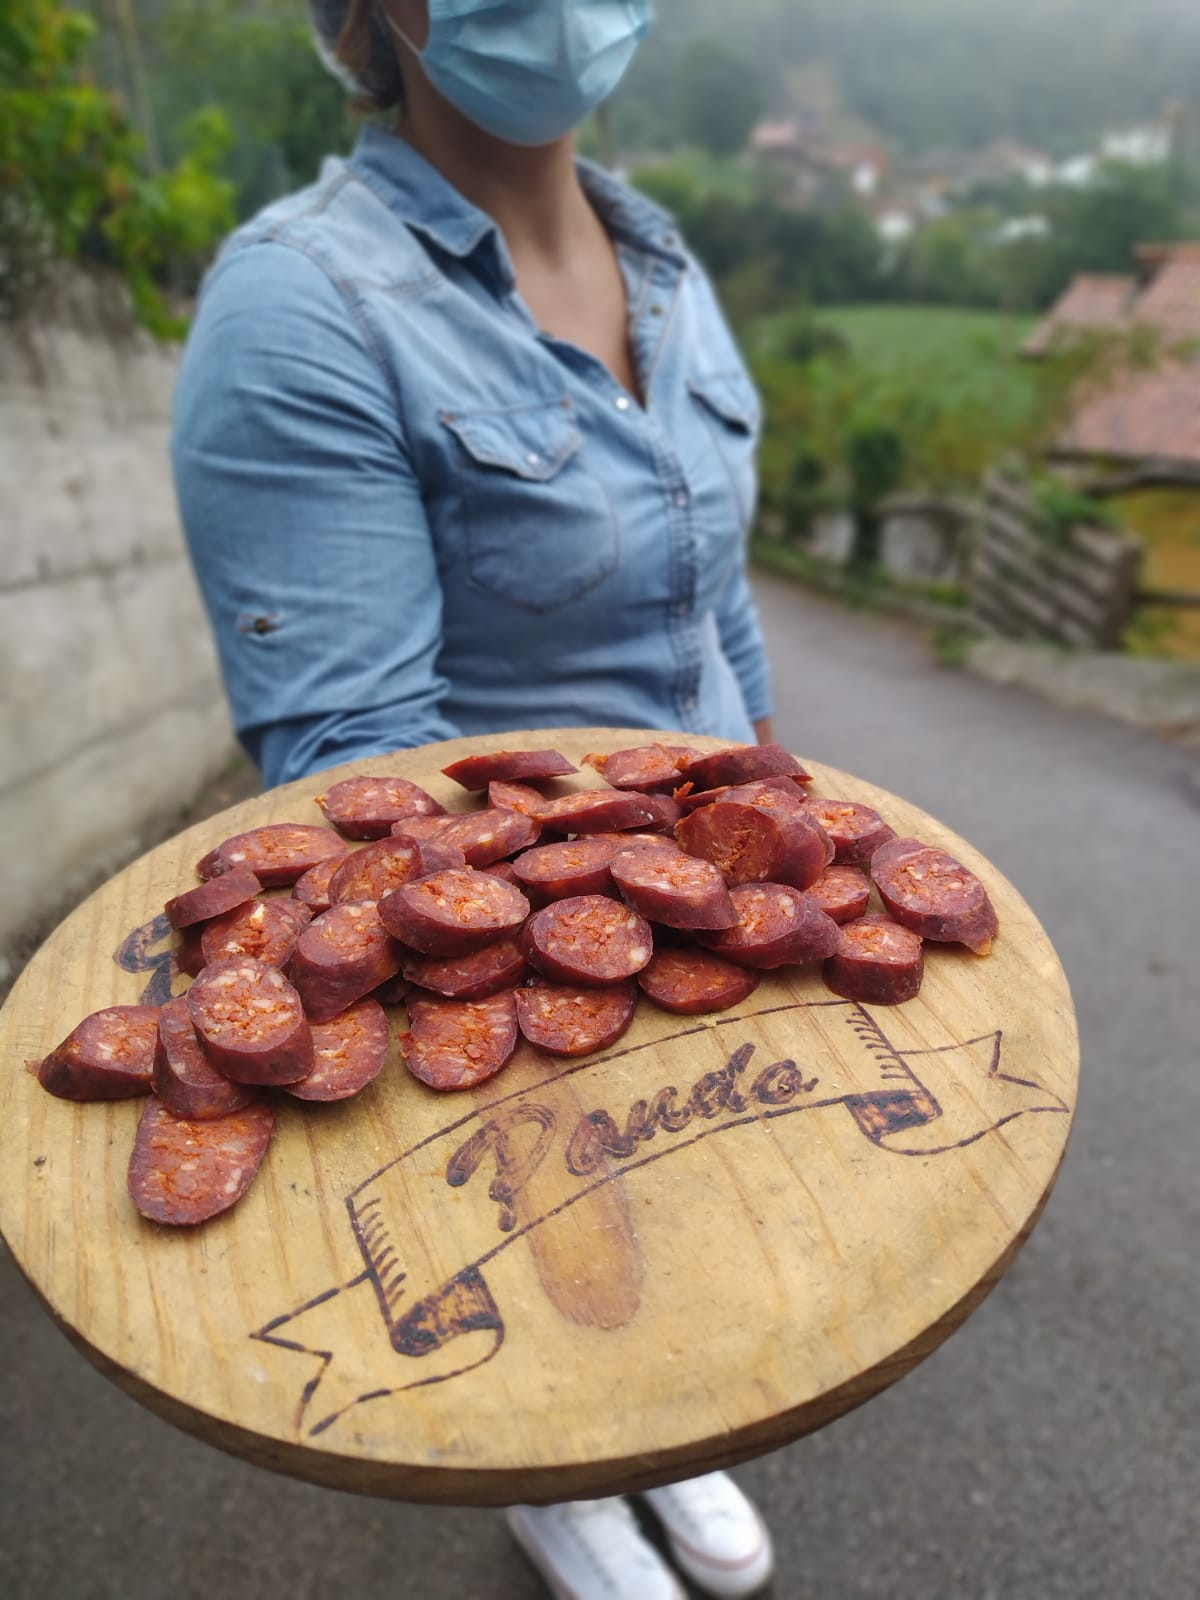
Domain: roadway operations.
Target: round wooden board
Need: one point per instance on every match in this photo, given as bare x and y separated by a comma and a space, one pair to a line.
844, 1185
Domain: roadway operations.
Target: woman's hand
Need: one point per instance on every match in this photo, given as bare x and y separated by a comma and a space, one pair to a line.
763, 731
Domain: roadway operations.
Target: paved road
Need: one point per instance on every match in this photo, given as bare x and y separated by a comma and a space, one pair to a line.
1050, 1449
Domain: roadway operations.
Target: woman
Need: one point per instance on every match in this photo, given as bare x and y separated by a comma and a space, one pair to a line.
463, 444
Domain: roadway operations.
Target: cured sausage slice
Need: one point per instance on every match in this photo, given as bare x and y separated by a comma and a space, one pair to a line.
212, 899
588, 940
857, 831
265, 929
183, 1170
277, 853
456, 1044
502, 870
377, 869
366, 808
471, 977
250, 1022
517, 797
566, 1021
927, 890
777, 926
876, 962
645, 767
489, 835
578, 866
109, 1056
666, 811
508, 766
185, 1080
771, 794
453, 913
598, 811
842, 893
188, 954
676, 889
342, 956
348, 1053
752, 845
312, 888
690, 982
743, 764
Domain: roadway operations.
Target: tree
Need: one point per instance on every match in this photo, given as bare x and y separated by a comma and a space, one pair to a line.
721, 96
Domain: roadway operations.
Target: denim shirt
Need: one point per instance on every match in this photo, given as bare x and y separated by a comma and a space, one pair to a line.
413, 515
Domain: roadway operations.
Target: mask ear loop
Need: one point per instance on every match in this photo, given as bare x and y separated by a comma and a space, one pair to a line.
398, 30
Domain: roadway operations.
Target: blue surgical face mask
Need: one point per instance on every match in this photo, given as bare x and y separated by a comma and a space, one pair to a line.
528, 71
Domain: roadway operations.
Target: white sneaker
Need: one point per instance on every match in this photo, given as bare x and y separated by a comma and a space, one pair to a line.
592, 1550
715, 1534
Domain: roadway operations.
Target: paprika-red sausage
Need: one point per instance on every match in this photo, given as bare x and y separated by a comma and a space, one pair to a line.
777, 926
277, 853
185, 1080
577, 866
589, 940
212, 899
377, 869
842, 893
927, 890
366, 808
743, 764
750, 844
452, 913
690, 982
565, 1020
184, 1171
668, 886
251, 1023
877, 962
108, 1056
457, 1044
348, 1053
341, 956
265, 929
508, 766
497, 966
857, 831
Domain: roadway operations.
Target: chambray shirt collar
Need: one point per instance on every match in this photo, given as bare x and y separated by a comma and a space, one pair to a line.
430, 205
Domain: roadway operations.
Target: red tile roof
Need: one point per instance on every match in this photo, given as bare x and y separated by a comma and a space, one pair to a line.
1090, 302
1146, 415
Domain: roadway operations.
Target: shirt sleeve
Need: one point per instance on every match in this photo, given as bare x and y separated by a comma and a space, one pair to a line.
742, 643
305, 522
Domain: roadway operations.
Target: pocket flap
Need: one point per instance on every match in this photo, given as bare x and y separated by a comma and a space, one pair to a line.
731, 396
531, 441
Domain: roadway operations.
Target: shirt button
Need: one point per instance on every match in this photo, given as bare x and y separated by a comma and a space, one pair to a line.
622, 402
533, 459
683, 499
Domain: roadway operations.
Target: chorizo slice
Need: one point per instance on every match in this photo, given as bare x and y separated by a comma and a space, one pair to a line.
842, 893
772, 794
277, 853
668, 886
666, 812
366, 808
857, 831
568, 1021
777, 926
598, 811
489, 835
341, 956
185, 1080
108, 1056
453, 913
876, 962
649, 768
517, 797
377, 869
251, 1023
471, 977
265, 929
588, 940
184, 1170
576, 866
348, 1053
690, 982
312, 887
743, 764
752, 845
927, 890
457, 1044
508, 766
212, 899
188, 955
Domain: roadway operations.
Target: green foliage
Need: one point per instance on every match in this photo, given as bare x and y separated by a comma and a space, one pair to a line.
721, 96
73, 183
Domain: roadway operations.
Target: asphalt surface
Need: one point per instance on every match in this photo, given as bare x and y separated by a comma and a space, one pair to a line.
1050, 1449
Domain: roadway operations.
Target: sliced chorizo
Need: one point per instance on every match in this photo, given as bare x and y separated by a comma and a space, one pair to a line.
520, 797
598, 811
265, 929
185, 1080
187, 956
508, 766
366, 808
772, 794
377, 869
341, 956
457, 1044
877, 962
649, 768
348, 1053
743, 764
184, 1170
927, 890
857, 831
212, 899
497, 966
752, 845
842, 893
588, 940
565, 1020
489, 835
312, 887
777, 926
251, 1023
670, 887
576, 866
277, 853
691, 982
108, 1056
452, 913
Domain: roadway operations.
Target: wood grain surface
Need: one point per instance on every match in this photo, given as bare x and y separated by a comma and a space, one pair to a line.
476, 1298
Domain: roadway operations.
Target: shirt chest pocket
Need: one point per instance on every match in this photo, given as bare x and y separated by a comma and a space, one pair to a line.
729, 407
539, 527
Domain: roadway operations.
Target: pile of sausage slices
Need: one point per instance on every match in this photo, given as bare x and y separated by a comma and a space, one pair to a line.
541, 914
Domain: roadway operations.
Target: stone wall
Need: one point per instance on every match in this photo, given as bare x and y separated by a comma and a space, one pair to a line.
112, 711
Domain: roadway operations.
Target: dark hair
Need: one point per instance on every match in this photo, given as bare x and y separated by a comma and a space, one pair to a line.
355, 41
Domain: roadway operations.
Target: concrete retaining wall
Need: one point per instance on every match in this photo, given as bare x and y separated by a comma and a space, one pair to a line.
112, 711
